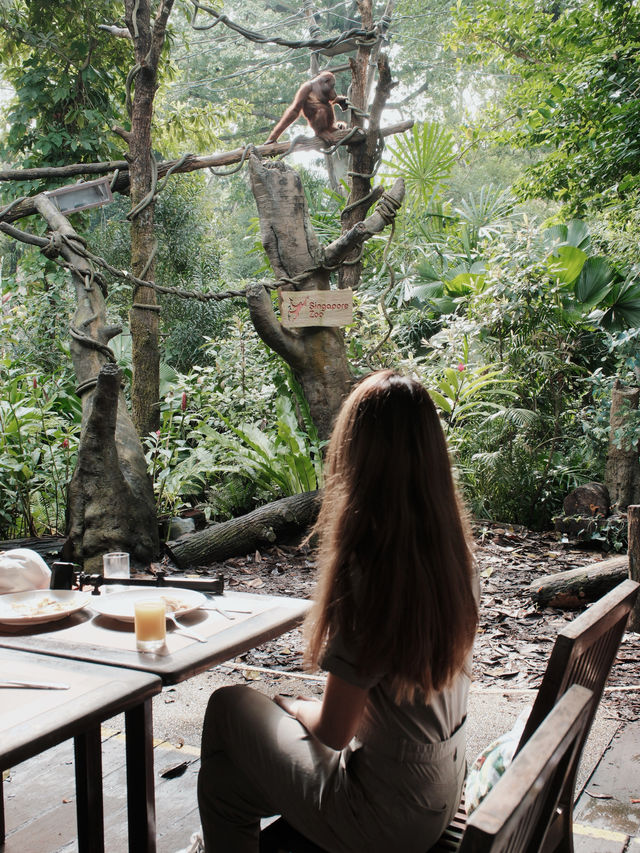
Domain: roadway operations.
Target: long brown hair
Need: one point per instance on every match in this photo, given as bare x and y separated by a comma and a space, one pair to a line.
396, 573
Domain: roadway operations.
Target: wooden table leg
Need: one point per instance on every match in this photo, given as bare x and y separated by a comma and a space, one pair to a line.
2, 826
140, 782
90, 815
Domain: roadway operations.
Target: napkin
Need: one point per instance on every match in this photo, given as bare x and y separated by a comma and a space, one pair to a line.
22, 569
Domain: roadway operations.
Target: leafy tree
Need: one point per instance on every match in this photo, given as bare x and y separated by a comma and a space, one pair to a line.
68, 80
573, 94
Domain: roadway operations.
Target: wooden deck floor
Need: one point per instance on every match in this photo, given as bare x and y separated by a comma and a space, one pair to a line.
40, 810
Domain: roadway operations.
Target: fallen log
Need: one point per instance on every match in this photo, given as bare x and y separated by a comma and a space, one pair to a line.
262, 526
576, 587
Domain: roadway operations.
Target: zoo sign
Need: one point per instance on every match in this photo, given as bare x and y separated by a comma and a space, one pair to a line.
315, 308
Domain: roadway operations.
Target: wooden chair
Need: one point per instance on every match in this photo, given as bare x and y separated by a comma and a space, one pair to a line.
583, 654
516, 814
514, 817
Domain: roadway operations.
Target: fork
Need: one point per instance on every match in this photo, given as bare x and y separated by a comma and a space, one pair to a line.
180, 629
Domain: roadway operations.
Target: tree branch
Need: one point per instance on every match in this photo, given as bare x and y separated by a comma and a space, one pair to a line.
191, 164
383, 215
282, 341
124, 134
119, 32
159, 31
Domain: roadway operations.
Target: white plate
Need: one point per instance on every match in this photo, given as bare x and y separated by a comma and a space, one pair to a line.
119, 605
40, 605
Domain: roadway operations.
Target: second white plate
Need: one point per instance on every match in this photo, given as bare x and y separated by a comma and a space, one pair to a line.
119, 605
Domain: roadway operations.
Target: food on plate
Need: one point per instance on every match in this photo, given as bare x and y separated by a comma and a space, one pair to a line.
41, 607
175, 605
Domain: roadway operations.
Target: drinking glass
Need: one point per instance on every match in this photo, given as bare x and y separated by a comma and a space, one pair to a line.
115, 565
150, 619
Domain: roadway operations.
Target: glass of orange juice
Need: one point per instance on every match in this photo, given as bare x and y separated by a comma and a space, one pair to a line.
150, 619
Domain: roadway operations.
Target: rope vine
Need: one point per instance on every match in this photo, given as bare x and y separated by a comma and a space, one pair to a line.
383, 296
367, 37
127, 87
235, 169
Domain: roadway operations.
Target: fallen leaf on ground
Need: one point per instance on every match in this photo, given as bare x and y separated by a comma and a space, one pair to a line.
174, 770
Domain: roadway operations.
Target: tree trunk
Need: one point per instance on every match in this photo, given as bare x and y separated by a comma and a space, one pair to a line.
622, 471
92, 528
148, 39
316, 355
104, 506
576, 587
242, 535
634, 562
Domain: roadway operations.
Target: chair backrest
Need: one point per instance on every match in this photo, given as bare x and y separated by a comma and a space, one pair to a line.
584, 653
515, 815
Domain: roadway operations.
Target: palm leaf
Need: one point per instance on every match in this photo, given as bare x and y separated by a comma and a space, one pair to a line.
423, 158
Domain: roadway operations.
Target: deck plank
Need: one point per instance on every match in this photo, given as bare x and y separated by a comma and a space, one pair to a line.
40, 800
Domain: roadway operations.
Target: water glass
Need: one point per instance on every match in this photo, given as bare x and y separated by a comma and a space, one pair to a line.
116, 565
150, 619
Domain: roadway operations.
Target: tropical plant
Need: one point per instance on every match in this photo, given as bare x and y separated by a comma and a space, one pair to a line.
39, 433
423, 159
573, 71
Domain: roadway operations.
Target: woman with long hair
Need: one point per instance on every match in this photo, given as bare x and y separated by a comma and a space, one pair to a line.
378, 764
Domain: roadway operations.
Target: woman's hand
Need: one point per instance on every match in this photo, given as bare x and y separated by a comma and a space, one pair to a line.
289, 704
335, 720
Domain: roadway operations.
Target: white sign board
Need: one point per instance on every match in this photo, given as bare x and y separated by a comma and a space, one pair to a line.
316, 308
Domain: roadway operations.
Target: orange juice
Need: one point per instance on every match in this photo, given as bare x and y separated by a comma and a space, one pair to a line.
150, 624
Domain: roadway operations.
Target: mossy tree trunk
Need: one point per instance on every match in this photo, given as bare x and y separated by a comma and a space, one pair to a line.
111, 505
148, 39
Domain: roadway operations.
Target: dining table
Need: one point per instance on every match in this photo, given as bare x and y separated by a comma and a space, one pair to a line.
46, 700
98, 631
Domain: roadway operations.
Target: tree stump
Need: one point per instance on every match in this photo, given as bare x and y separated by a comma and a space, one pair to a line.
622, 471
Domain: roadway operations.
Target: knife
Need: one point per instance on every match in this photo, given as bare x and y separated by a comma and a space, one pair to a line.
37, 685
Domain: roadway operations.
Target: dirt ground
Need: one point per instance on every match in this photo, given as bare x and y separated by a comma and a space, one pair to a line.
514, 638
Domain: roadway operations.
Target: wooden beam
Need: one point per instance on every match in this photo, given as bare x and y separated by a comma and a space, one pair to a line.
633, 515
26, 207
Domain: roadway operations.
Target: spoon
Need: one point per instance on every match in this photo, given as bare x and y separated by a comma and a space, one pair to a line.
180, 629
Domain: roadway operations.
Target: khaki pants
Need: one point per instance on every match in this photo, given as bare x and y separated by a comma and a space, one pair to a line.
257, 761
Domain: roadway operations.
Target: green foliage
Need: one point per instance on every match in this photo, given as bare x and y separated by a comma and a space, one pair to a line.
464, 393
229, 439
509, 363
423, 159
68, 81
574, 71
39, 433
285, 461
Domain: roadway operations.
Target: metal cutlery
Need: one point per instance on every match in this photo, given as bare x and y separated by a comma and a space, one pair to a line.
180, 629
37, 685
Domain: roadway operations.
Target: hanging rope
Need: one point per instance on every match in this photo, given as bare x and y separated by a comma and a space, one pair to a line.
368, 37
91, 343
146, 201
343, 141
237, 168
11, 205
150, 259
127, 88
383, 297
